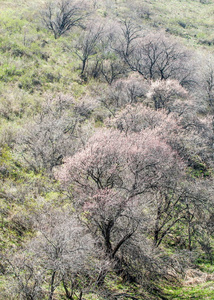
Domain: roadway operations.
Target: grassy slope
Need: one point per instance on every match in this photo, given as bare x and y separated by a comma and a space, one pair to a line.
32, 64
198, 290
189, 19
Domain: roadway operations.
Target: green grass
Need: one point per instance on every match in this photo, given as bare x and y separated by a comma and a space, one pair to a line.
201, 292
31, 57
207, 268
198, 291
189, 19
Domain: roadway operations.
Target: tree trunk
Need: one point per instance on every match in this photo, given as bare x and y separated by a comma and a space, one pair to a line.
52, 286
101, 277
68, 295
83, 66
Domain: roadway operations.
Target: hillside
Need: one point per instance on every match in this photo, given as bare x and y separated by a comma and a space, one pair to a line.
106, 149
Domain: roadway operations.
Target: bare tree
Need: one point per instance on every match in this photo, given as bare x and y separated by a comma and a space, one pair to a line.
87, 45
158, 57
112, 69
51, 136
110, 65
125, 91
165, 93
187, 133
179, 205
63, 250
130, 33
137, 117
208, 84
60, 16
109, 178
61, 253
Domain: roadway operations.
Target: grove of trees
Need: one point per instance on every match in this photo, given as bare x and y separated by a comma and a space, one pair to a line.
106, 153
